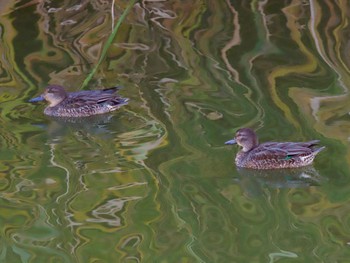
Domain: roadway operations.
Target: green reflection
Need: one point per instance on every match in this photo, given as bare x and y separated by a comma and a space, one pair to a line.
154, 182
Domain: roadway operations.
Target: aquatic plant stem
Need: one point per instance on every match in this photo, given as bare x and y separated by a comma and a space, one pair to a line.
108, 43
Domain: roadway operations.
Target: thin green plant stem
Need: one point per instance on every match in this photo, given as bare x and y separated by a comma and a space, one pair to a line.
108, 43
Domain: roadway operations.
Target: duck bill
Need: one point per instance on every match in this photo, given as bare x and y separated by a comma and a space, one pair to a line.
37, 99
230, 142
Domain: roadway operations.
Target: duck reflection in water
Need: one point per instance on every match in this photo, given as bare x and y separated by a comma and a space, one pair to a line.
103, 126
255, 182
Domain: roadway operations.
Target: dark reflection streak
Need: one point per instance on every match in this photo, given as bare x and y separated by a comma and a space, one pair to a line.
167, 48
20, 41
249, 57
68, 197
314, 20
235, 41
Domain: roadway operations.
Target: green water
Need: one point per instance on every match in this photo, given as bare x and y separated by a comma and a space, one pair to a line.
154, 181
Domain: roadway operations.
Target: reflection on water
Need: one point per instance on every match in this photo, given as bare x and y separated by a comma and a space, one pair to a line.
284, 178
152, 182
255, 181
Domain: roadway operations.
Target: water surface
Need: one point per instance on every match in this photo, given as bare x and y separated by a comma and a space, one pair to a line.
154, 181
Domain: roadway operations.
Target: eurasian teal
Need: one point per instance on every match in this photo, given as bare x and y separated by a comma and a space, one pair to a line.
272, 155
81, 103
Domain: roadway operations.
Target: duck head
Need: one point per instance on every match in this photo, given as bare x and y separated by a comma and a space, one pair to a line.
246, 138
54, 94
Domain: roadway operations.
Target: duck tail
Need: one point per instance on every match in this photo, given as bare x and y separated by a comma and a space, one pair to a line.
317, 150
123, 101
117, 87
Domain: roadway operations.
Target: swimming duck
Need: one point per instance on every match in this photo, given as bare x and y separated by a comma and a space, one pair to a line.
272, 155
81, 103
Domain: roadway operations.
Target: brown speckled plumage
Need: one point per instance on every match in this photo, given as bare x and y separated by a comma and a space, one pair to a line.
81, 103
272, 155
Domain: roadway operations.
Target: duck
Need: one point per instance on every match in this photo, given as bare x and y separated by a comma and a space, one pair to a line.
272, 155
81, 103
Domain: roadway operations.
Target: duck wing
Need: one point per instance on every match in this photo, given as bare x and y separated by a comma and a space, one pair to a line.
285, 150
92, 98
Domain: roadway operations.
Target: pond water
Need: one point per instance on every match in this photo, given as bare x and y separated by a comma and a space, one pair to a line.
154, 181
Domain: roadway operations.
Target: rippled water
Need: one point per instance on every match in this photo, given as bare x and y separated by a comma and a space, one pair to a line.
153, 182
